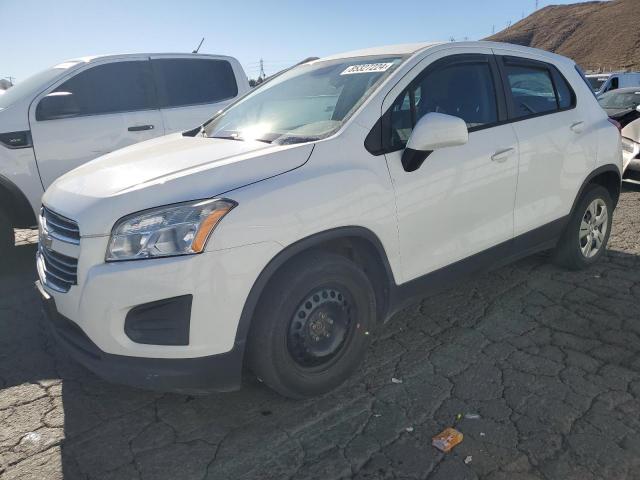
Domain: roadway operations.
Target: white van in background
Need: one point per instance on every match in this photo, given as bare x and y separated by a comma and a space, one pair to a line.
81, 109
605, 82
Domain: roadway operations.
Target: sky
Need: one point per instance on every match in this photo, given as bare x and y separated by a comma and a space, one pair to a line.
36, 34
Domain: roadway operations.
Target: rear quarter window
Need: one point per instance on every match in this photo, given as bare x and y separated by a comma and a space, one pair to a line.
186, 81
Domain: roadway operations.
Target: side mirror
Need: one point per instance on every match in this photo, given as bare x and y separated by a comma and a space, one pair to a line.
433, 132
57, 105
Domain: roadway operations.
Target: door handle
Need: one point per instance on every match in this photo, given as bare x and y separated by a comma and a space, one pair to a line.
577, 127
501, 155
140, 128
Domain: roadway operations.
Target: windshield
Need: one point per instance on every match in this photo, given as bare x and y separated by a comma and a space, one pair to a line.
597, 82
307, 103
619, 100
26, 87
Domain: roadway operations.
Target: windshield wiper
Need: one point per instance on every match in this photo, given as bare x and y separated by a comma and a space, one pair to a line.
229, 137
240, 139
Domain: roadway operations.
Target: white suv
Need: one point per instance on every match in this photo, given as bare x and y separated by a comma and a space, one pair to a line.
80, 109
282, 232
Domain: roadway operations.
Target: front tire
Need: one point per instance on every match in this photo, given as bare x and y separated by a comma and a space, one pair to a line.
7, 238
585, 238
311, 328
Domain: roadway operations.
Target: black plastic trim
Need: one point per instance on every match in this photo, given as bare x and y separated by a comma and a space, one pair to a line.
162, 322
214, 373
539, 239
598, 171
16, 140
300, 246
413, 159
16, 205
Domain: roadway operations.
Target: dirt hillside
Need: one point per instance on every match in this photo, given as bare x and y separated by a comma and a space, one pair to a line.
603, 35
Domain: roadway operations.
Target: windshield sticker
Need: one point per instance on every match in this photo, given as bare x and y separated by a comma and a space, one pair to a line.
367, 68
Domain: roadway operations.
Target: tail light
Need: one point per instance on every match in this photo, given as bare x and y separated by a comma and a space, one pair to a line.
616, 124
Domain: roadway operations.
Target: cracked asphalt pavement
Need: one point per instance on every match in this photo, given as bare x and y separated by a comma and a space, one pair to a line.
549, 360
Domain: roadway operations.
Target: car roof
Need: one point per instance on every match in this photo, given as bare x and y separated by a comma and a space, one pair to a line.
400, 49
414, 48
92, 58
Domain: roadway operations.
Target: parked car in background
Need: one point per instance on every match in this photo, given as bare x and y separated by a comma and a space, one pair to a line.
623, 105
80, 109
284, 231
605, 82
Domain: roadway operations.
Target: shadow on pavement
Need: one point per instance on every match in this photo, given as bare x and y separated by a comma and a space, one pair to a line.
547, 358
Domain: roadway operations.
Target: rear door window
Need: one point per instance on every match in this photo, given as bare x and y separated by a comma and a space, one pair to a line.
187, 81
531, 90
536, 88
103, 89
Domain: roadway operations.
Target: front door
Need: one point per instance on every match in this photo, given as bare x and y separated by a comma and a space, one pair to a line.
98, 110
460, 201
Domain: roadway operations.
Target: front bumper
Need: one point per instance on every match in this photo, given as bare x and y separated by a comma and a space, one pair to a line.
214, 373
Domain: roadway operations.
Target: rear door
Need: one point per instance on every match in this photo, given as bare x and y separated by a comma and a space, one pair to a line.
99, 109
557, 150
191, 90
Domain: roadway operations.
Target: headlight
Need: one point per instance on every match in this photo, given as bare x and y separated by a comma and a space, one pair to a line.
180, 229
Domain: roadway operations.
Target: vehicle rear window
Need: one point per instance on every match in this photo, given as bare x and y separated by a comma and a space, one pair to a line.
109, 88
186, 81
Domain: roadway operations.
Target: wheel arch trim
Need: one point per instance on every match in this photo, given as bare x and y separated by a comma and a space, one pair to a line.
20, 210
598, 171
295, 249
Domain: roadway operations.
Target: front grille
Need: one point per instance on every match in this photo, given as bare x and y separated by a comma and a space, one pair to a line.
57, 271
59, 227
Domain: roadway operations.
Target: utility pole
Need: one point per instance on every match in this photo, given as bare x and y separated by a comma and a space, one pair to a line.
493, 29
537, 3
262, 74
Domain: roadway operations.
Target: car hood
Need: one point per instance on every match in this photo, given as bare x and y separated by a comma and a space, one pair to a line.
166, 170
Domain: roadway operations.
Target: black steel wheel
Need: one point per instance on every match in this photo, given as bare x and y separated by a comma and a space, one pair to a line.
312, 325
320, 327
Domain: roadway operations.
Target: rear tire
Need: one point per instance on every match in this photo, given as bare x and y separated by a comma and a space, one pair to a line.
585, 238
312, 326
7, 237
